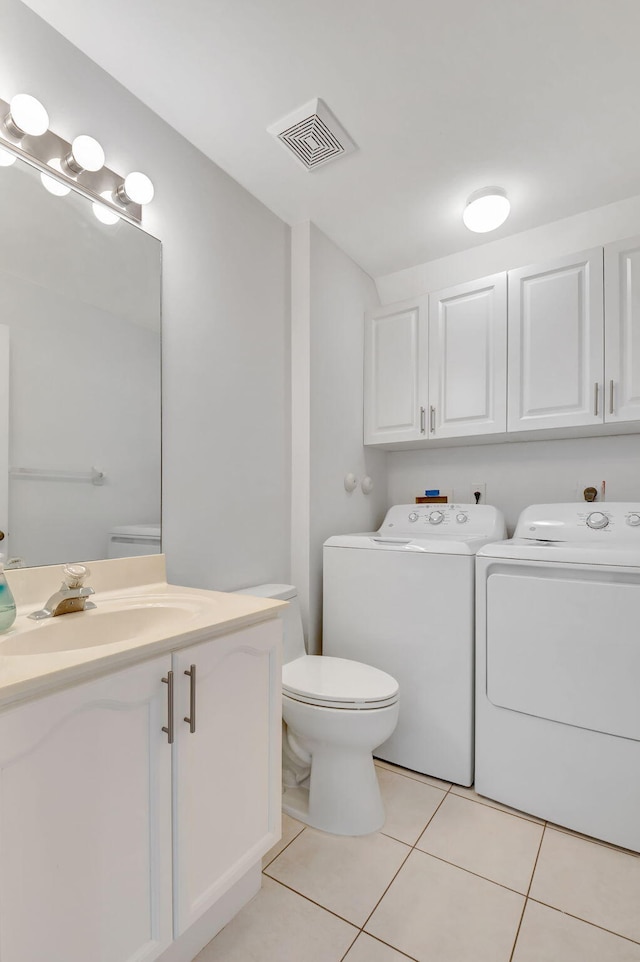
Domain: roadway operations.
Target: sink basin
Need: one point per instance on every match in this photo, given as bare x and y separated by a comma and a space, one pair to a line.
105, 625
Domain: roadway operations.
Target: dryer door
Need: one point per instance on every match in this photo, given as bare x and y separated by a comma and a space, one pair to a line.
563, 643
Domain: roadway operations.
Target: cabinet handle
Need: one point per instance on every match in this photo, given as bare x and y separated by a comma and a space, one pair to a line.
191, 717
422, 420
432, 419
168, 728
611, 396
596, 392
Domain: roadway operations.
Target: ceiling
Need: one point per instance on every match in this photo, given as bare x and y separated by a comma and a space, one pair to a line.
442, 98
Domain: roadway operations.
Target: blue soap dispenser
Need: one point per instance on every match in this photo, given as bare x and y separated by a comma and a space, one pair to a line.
7, 603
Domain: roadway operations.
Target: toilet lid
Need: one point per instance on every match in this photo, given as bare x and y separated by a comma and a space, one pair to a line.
338, 683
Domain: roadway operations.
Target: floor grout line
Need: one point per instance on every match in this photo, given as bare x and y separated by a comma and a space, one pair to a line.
526, 898
278, 854
354, 925
579, 918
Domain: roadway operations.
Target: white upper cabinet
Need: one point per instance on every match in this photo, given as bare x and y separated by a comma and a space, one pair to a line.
622, 344
468, 359
395, 373
556, 343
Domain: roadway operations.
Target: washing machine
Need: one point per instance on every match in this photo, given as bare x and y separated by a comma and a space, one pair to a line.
402, 599
558, 668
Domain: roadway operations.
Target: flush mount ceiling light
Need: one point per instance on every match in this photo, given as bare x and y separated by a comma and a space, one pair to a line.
85, 154
486, 209
137, 189
26, 116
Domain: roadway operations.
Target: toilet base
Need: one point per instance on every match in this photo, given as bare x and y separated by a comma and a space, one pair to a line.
346, 796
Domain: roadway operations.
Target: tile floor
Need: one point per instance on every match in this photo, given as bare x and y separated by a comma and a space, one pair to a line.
452, 877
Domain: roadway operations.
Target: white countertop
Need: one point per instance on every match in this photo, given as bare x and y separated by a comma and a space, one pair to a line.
130, 588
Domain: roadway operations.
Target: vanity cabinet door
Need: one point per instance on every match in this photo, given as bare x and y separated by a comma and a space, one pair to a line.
395, 373
556, 343
468, 359
85, 822
227, 773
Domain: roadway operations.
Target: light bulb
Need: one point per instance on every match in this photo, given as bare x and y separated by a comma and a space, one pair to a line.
26, 116
6, 158
103, 213
137, 189
54, 186
85, 154
486, 210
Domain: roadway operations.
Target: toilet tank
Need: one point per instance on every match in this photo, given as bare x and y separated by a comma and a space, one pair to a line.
293, 638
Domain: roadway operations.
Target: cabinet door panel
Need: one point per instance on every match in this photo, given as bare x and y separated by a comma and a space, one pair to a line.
467, 358
622, 345
556, 332
85, 823
227, 773
395, 373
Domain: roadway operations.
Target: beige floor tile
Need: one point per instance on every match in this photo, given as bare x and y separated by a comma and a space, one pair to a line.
417, 776
483, 840
409, 805
290, 828
595, 883
344, 874
547, 935
280, 926
367, 949
435, 911
471, 793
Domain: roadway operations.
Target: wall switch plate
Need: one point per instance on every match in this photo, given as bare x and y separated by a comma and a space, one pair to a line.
480, 486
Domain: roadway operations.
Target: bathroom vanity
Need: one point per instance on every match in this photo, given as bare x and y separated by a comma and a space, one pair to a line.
139, 766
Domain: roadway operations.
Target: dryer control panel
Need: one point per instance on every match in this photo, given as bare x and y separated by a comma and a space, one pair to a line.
438, 520
577, 522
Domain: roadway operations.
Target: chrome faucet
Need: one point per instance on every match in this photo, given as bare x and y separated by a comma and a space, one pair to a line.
71, 596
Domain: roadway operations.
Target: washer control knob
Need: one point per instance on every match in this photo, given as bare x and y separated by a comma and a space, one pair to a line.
597, 520
436, 517
462, 518
413, 516
633, 520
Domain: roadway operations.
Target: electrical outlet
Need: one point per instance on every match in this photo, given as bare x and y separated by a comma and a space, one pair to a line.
480, 486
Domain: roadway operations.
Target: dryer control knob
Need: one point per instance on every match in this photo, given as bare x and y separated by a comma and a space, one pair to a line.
597, 520
633, 520
436, 517
462, 518
413, 516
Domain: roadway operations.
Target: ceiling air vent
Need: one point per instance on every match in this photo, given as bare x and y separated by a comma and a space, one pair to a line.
313, 135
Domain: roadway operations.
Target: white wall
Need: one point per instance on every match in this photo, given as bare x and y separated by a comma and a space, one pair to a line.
332, 294
225, 317
518, 474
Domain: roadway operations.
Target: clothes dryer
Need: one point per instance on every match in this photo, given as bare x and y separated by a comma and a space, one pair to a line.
558, 668
402, 599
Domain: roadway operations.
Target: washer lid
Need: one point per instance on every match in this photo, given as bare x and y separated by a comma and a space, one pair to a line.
443, 544
337, 680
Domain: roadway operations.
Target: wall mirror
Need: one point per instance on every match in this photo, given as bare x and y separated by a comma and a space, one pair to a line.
79, 377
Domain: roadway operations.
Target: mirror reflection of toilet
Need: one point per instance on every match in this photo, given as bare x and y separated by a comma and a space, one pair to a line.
335, 713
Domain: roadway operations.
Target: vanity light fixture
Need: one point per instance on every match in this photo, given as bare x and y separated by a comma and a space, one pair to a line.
85, 154
26, 116
7, 158
64, 166
136, 189
486, 209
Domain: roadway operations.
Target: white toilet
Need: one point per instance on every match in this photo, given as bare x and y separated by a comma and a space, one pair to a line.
335, 712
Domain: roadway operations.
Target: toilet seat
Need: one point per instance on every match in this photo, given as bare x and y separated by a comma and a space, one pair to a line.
338, 683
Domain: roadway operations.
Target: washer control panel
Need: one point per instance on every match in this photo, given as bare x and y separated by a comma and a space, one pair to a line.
435, 520
615, 521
